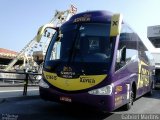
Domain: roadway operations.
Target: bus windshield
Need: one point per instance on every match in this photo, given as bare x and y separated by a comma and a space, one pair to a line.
87, 42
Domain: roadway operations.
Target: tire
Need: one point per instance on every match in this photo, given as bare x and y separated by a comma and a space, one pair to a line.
131, 99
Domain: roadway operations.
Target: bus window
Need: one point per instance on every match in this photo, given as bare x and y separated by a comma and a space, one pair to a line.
128, 39
86, 42
142, 52
55, 54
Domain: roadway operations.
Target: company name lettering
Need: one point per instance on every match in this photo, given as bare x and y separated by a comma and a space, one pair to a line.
84, 18
68, 74
87, 80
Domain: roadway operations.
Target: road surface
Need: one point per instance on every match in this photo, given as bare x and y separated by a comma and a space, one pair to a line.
34, 108
8, 92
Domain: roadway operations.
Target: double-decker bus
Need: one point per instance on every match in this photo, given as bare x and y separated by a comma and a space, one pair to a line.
100, 62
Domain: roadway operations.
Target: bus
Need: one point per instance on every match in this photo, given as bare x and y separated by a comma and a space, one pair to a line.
100, 61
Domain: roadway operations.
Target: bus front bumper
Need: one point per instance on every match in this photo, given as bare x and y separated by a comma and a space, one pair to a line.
102, 102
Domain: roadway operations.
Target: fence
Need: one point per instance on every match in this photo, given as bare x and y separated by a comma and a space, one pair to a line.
19, 78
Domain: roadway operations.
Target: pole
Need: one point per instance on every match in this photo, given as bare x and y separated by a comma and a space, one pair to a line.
25, 84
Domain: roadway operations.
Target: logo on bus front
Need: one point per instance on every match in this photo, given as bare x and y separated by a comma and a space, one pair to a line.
67, 72
67, 69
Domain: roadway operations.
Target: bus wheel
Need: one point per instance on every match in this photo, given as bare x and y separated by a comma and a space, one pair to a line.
131, 99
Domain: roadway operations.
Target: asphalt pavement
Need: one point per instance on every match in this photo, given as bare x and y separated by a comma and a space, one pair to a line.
34, 108
12, 92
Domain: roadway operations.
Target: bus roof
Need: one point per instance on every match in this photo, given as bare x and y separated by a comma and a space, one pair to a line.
91, 16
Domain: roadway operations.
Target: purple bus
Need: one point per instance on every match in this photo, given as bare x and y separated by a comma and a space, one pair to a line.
100, 61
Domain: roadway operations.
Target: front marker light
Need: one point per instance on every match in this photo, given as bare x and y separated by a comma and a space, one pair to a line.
107, 90
43, 84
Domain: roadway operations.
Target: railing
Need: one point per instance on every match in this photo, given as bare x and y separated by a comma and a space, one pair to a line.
19, 78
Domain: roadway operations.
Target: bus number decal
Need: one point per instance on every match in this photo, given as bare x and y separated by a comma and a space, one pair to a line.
51, 77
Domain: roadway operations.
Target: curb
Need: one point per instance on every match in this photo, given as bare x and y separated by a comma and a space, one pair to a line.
20, 85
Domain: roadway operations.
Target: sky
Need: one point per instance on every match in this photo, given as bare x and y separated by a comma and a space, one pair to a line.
20, 19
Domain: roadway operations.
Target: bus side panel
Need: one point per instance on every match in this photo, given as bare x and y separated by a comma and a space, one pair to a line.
128, 75
145, 79
123, 79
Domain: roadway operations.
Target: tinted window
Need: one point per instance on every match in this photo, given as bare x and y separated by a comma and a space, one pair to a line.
87, 42
142, 52
128, 39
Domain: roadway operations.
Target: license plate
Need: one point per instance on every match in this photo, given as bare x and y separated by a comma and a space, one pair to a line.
66, 99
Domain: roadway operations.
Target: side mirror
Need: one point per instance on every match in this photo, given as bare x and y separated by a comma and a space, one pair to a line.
42, 30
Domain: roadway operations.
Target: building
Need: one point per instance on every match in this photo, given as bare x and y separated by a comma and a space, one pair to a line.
6, 56
153, 34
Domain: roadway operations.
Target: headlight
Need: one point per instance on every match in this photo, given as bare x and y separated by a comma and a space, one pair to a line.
43, 84
39, 77
107, 90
